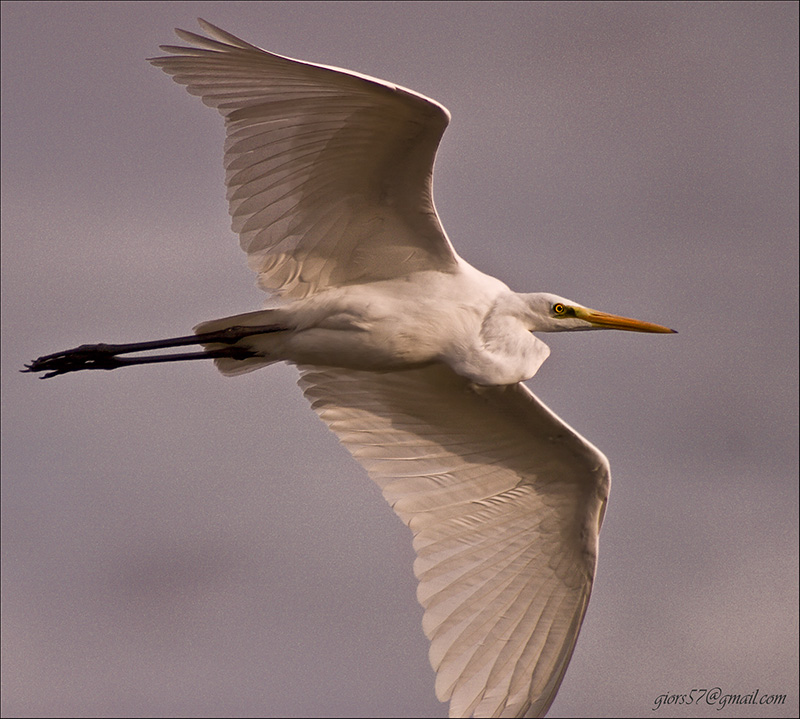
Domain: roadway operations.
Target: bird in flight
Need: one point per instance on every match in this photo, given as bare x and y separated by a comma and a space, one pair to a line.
411, 356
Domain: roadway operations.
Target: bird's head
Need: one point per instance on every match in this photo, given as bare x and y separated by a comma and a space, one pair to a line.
551, 313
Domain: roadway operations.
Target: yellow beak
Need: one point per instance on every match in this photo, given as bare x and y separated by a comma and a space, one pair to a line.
614, 322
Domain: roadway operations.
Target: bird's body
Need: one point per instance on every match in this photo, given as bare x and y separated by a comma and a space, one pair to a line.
467, 320
413, 357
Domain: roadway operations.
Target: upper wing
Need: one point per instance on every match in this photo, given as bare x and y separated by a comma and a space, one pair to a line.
329, 172
505, 502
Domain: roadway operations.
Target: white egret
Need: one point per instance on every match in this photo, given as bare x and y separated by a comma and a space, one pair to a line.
411, 356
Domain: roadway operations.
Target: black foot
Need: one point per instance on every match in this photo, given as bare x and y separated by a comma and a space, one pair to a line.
103, 356
84, 357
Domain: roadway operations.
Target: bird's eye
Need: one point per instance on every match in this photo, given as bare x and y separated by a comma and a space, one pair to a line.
559, 309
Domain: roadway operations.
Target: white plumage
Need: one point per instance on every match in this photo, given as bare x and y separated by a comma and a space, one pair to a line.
411, 356
505, 502
311, 155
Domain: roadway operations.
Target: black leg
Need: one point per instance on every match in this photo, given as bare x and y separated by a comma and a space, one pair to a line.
105, 356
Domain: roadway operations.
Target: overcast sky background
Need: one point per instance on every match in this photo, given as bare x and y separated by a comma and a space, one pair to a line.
178, 543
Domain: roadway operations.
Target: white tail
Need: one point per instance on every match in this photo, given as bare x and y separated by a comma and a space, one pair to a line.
233, 367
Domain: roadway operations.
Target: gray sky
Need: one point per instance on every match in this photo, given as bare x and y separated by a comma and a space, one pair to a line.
179, 543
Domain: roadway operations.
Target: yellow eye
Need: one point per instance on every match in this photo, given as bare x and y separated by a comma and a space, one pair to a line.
559, 309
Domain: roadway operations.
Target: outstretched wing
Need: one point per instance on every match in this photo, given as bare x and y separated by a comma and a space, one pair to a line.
505, 502
328, 172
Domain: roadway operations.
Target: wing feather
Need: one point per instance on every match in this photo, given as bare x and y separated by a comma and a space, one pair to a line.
505, 502
329, 172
